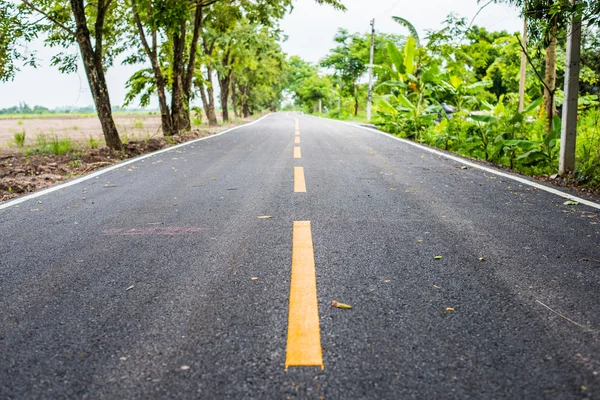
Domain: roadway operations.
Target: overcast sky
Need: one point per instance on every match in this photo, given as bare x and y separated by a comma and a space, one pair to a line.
310, 29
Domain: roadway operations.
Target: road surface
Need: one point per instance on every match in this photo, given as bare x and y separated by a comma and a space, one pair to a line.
165, 278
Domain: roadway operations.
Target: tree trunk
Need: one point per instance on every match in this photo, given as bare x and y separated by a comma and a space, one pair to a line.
550, 79
189, 73
92, 62
234, 99
224, 82
355, 100
165, 115
245, 110
161, 85
210, 91
180, 113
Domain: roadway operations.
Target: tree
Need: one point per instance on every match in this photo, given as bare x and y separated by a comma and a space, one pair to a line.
13, 31
315, 89
349, 59
179, 39
544, 24
95, 28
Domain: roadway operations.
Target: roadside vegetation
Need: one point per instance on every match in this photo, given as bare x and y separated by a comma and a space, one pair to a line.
458, 89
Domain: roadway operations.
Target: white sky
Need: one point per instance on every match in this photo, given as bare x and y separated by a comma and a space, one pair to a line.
310, 29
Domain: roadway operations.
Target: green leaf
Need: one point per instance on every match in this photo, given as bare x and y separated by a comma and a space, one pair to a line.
571, 203
386, 106
522, 144
405, 102
556, 124
456, 81
532, 157
484, 118
397, 58
409, 55
533, 105
413, 31
480, 84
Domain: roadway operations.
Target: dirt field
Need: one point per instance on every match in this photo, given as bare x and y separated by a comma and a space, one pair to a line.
132, 126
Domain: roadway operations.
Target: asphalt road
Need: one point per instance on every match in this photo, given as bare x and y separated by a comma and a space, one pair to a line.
138, 283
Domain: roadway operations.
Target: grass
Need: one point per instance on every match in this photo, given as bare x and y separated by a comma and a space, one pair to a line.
52, 145
138, 123
93, 143
20, 138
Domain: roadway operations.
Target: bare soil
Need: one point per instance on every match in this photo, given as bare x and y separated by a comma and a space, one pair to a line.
134, 126
21, 174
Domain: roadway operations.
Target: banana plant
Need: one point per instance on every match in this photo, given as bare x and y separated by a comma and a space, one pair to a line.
411, 28
462, 93
411, 113
542, 151
402, 64
500, 131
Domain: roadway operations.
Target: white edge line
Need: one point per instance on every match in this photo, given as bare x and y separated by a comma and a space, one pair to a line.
19, 200
477, 166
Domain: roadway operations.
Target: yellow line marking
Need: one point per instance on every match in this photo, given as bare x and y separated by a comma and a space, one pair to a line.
297, 132
304, 335
297, 140
297, 152
299, 181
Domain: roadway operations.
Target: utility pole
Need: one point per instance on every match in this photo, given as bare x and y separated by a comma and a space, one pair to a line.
523, 68
370, 95
569, 118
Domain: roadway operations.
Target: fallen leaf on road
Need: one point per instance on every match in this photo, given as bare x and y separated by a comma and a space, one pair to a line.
449, 308
340, 305
437, 257
123, 358
420, 240
254, 278
39, 202
463, 167
129, 288
185, 367
571, 203
264, 216
387, 281
436, 286
589, 259
214, 179
481, 259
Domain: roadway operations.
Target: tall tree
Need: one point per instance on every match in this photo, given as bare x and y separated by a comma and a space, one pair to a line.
95, 28
349, 59
172, 33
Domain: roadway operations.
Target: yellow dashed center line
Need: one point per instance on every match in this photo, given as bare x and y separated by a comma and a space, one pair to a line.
299, 182
297, 140
297, 152
304, 334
